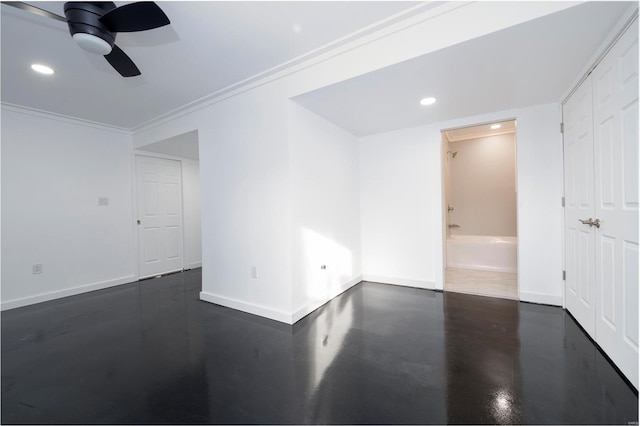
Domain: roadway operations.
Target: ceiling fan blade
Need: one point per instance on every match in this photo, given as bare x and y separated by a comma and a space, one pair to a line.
140, 16
34, 10
122, 63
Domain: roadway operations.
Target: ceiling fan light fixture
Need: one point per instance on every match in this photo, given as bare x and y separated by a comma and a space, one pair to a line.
92, 43
94, 25
42, 69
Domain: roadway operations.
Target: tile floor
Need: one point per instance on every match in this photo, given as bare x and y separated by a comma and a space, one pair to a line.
482, 283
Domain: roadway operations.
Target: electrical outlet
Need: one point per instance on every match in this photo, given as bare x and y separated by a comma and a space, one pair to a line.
323, 266
254, 272
37, 268
103, 201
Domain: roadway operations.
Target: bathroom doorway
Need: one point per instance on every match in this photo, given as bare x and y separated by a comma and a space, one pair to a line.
480, 210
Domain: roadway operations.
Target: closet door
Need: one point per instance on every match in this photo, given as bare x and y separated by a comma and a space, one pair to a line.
579, 207
159, 195
615, 109
601, 188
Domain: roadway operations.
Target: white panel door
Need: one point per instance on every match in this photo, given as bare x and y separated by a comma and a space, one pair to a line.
579, 205
615, 108
159, 192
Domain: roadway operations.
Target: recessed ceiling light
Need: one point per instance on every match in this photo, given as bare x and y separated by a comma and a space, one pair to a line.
297, 29
42, 69
427, 101
495, 126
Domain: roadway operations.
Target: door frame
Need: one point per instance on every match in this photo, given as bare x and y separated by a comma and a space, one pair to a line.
461, 124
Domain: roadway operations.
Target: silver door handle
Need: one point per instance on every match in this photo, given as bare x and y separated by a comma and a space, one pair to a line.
590, 222
586, 221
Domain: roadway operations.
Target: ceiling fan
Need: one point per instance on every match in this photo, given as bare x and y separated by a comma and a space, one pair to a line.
94, 25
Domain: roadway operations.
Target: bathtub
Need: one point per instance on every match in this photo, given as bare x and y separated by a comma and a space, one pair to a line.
481, 252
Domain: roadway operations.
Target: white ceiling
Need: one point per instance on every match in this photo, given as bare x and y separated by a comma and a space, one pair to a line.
529, 64
208, 47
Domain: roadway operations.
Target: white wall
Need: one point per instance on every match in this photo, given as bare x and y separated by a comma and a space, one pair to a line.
401, 203
399, 192
540, 212
245, 174
191, 211
483, 186
244, 154
53, 172
246, 203
325, 210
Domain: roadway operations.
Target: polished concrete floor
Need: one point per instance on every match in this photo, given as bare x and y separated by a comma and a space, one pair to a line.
151, 352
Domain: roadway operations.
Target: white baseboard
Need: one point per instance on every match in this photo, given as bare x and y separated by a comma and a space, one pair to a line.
251, 308
195, 265
545, 299
302, 312
274, 314
44, 297
429, 285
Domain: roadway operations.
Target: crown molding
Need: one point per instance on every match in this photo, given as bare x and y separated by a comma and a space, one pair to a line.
400, 21
379, 30
63, 118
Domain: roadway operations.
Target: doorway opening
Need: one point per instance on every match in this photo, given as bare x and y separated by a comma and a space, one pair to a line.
480, 210
167, 191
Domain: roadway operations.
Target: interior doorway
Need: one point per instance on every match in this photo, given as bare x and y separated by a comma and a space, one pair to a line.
480, 210
167, 192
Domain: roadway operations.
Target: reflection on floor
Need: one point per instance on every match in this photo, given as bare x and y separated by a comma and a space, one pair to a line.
481, 283
152, 353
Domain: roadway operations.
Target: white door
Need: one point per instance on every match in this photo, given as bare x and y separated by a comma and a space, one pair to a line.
601, 184
615, 109
159, 193
579, 205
